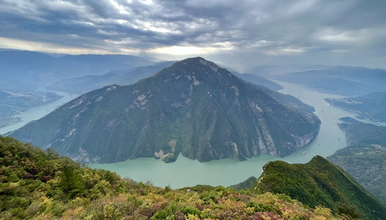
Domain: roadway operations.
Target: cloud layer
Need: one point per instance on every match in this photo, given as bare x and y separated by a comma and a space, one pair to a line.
246, 32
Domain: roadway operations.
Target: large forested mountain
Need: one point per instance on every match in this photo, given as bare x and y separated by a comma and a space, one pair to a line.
41, 185
193, 107
320, 182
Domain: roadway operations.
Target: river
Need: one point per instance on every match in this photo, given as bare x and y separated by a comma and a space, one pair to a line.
225, 172
38, 112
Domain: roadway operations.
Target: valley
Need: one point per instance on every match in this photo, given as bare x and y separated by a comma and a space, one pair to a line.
195, 110
212, 173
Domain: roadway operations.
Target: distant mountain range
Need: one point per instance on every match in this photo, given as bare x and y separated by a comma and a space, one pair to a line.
371, 106
258, 80
26, 70
364, 158
193, 107
272, 70
88, 83
341, 80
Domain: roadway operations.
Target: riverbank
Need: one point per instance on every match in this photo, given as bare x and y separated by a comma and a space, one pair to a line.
37, 112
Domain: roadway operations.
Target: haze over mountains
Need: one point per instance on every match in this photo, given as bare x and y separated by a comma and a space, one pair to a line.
193, 107
341, 80
13, 103
26, 70
88, 83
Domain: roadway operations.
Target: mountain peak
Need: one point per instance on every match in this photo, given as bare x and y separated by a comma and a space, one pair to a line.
195, 68
202, 61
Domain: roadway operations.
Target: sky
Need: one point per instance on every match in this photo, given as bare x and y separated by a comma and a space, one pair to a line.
242, 33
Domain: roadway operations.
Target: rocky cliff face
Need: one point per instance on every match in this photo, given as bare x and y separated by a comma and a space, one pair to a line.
193, 107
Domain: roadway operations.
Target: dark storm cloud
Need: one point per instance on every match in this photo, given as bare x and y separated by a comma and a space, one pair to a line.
264, 29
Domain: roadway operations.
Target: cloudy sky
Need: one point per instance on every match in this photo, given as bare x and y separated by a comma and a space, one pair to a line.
237, 32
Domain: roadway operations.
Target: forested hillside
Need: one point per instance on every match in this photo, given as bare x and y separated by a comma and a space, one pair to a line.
35, 184
320, 182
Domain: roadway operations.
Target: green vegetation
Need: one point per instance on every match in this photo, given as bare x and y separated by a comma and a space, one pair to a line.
35, 184
245, 184
319, 182
367, 164
364, 159
193, 107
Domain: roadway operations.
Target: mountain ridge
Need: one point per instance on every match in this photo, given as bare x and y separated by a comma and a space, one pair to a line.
364, 158
319, 182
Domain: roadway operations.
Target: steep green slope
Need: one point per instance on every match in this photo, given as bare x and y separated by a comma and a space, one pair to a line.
245, 184
193, 107
39, 185
319, 182
367, 164
364, 159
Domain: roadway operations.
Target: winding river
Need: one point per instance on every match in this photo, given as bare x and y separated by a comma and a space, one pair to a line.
225, 172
